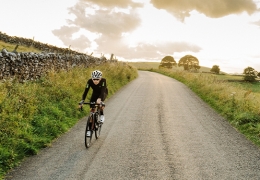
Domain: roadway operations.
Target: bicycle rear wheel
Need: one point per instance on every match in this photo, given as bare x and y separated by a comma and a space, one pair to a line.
97, 127
88, 137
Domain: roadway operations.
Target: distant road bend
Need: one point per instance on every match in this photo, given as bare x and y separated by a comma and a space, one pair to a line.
155, 128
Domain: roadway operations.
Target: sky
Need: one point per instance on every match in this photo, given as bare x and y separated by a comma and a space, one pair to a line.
217, 32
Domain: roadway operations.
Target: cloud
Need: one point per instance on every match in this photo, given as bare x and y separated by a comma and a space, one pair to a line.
110, 25
107, 22
150, 51
256, 23
65, 35
211, 8
65, 32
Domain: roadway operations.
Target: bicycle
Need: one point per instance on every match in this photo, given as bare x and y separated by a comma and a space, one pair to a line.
93, 123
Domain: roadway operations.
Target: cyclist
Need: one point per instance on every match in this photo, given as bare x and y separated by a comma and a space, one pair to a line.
99, 87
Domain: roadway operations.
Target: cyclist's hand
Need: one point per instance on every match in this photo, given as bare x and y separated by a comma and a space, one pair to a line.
98, 100
81, 105
102, 105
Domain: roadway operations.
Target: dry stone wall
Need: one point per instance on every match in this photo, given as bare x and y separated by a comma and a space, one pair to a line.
31, 66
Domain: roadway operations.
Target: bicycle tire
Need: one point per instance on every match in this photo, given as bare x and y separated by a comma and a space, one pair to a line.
88, 138
97, 127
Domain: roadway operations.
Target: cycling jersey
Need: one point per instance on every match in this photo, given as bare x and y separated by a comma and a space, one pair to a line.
99, 90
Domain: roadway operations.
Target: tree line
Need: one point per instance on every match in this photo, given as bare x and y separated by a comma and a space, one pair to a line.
191, 63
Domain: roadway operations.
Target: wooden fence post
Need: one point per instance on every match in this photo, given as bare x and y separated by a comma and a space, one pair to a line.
111, 57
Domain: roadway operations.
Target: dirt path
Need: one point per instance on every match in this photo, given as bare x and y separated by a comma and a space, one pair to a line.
155, 128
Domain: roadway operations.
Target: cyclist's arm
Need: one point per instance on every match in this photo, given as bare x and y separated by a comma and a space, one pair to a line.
103, 88
85, 92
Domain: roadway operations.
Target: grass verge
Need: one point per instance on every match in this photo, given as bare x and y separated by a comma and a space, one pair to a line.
33, 114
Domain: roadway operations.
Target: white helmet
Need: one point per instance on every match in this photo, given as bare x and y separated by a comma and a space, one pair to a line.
96, 74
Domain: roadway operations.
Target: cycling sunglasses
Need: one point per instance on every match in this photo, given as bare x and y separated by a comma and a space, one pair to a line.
95, 79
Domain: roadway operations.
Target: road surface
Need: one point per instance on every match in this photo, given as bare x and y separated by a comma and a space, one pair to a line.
155, 128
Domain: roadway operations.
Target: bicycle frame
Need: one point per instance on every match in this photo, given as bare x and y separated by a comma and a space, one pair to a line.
94, 110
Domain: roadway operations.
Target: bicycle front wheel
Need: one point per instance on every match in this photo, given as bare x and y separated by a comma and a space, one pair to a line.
88, 132
97, 128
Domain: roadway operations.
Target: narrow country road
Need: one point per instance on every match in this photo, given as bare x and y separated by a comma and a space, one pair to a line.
155, 128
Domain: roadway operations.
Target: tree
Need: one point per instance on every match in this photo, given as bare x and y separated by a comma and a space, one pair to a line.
258, 74
167, 62
215, 69
250, 74
189, 62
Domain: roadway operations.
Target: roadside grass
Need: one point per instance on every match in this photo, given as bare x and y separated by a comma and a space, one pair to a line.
228, 77
237, 102
238, 81
10, 47
253, 86
33, 114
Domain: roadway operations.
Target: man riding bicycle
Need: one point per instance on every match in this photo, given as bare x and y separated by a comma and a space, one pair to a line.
99, 86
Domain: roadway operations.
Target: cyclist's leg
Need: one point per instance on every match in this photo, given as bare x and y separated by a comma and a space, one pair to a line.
94, 98
102, 115
103, 104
